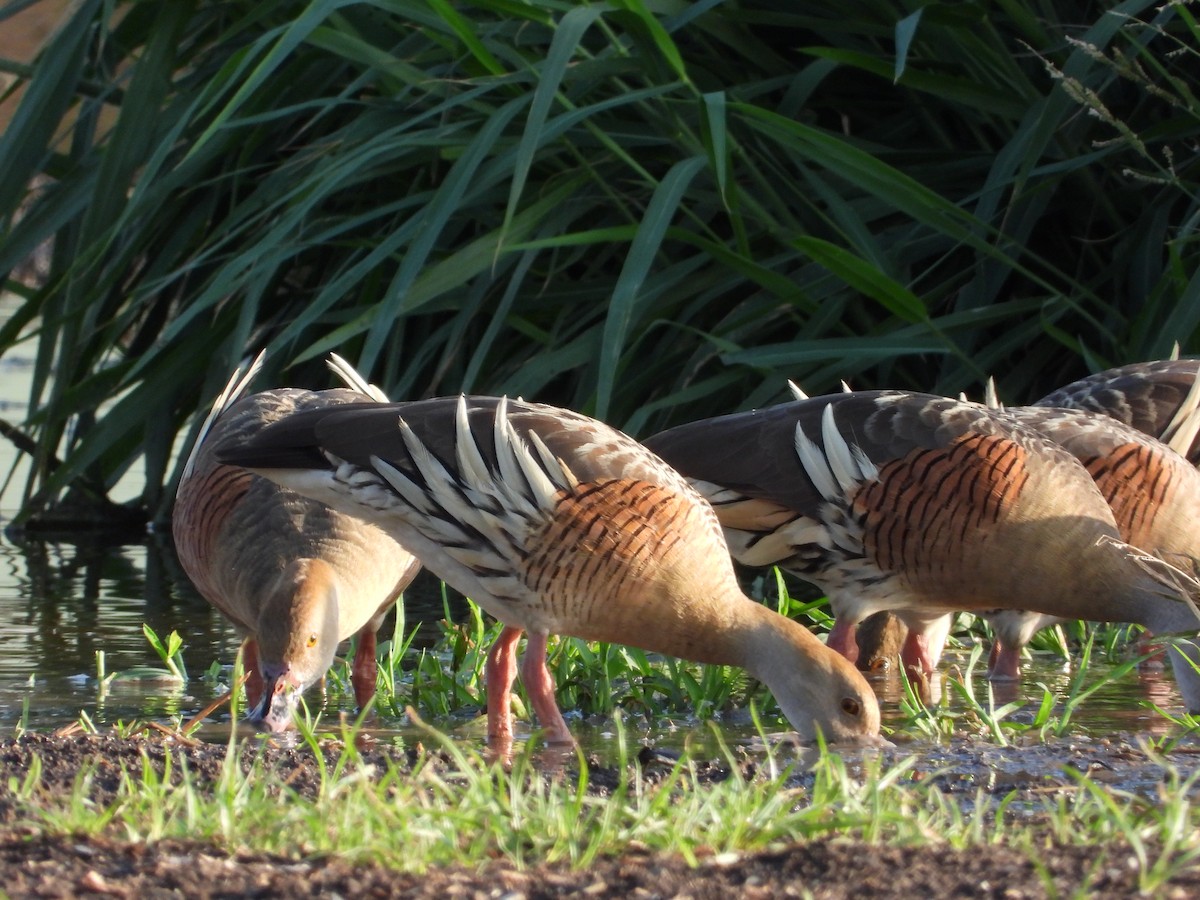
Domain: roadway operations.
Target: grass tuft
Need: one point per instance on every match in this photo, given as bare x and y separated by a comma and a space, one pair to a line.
450, 804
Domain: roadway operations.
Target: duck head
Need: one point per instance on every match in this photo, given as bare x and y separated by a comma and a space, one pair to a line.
297, 639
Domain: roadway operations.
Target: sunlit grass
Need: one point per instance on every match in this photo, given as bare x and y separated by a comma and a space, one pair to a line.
169, 650
454, 806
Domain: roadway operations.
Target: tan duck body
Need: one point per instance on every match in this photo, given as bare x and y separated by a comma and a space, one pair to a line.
1158, 399
557, 524
1153, 492
294, 577
921, 505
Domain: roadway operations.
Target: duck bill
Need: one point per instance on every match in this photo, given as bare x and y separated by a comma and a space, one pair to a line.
274, 712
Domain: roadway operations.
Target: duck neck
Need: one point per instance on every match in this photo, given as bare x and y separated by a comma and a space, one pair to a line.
712, 625
1121, 584
772, 645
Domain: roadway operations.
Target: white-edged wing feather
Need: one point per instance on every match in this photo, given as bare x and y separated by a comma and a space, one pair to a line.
234, 388
353, 379
1182, 429
838, 469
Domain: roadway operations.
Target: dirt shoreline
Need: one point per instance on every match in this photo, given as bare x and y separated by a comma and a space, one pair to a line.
58, 867
34, 863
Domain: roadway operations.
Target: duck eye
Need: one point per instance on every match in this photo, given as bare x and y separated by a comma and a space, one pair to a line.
312, 639
850, 706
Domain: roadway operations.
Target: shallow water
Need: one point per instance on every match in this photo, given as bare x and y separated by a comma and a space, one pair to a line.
63, 603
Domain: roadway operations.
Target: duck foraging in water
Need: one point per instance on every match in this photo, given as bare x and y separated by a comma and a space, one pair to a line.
557, 524
923, 505
1156, 408
294, 577
1153, 492
1159, 399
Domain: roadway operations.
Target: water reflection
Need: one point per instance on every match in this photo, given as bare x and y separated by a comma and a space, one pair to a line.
1121, 704
62, 602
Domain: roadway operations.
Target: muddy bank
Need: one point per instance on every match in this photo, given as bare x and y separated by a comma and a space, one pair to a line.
45, 867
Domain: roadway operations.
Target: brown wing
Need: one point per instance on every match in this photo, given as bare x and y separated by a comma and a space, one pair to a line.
920, 513
754, 453
1144, 395
355, 433
889, 482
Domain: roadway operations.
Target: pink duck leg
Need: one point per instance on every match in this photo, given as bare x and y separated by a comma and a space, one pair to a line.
363, 671
500, 674
842, 638
540, 687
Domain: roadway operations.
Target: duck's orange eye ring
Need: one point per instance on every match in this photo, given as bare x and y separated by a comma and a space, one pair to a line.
312, 639
850, 706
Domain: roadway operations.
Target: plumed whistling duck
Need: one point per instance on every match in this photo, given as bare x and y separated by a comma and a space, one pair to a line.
922, 505
556, 524
293, 576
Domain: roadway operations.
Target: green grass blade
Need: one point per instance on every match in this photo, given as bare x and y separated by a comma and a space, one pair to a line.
646, 242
